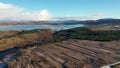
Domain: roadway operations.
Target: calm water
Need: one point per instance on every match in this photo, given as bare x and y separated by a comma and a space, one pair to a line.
30, 27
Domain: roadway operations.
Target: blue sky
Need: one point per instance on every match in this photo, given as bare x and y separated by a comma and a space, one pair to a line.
61, 8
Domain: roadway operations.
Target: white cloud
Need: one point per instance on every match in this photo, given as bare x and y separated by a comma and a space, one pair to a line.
37, 15
11, 12
89, 17
8, 10
5, 6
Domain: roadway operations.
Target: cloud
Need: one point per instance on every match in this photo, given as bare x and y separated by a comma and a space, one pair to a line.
7, 10
36, 16
6, 6
11, 12
89, 17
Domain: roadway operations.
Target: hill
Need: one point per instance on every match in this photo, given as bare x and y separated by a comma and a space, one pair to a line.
83, 33
71, 48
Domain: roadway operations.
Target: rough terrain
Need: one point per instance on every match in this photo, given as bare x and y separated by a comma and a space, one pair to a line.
69, 54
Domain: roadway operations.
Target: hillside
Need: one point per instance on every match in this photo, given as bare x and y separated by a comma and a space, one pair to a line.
83, 33
71, 48
69, 54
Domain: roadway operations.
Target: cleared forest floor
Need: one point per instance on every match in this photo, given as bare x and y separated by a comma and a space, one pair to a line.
69, 54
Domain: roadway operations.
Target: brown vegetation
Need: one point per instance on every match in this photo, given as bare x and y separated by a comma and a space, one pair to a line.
62, 51
16, 39
69, 54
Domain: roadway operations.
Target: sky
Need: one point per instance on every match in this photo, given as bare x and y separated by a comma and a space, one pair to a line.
58, 9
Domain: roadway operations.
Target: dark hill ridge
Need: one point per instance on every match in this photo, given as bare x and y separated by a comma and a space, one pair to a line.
84, 33
105, 21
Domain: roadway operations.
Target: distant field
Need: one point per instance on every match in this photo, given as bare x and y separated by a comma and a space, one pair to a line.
105, 27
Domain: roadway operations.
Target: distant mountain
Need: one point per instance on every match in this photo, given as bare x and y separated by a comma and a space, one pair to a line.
104, 21
65, 22
113, 21
94, 22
